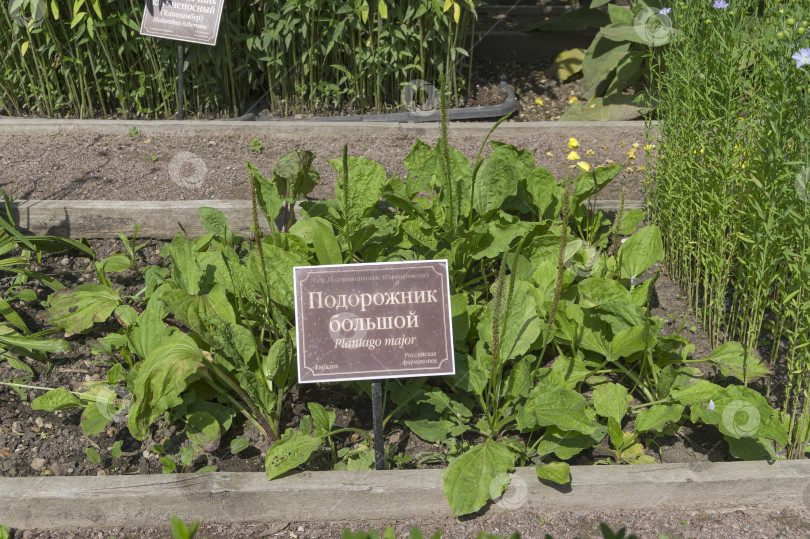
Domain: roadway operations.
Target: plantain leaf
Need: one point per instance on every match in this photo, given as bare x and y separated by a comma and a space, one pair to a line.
497, 180
611, 401
553, 405
366, 180
74, 311
56, 399
291, 451
267, 198
203, 431
734, 360
556, 472
641, 251
161, 379
213, 220
656, 417
477, 476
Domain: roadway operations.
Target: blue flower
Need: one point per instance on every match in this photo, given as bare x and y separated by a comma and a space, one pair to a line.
633, 279
720, 4
802, 57
665, 11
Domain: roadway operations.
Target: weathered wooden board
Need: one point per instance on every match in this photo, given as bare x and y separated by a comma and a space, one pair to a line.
158, 219
73, 502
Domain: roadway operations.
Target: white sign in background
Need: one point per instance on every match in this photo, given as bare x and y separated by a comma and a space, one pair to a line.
194, 21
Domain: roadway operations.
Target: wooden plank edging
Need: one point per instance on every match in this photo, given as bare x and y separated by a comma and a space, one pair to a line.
285, 129
158, 219
144, 500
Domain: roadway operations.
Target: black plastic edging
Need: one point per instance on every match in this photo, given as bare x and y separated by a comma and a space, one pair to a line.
509, 106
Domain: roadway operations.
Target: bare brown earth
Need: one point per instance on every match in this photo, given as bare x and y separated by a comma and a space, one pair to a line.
78, 165
38, 443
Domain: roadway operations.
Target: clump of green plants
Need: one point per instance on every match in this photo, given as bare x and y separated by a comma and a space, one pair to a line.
17, 253
83, 59
728, 186
556, 349
616, 58
256, 145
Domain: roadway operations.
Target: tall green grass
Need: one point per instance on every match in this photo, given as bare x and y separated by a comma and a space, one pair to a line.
87, 58
735, 112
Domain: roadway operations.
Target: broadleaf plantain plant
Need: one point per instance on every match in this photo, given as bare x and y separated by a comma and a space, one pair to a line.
556, 349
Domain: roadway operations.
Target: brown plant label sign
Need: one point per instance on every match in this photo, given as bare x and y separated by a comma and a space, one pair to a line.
373, 321
195, 21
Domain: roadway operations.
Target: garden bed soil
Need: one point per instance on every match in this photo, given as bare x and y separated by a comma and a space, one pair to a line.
69, 164
37, 443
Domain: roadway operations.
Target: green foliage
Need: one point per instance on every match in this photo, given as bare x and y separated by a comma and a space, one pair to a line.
17, 253
81, 59
556, 348
93, 456
256, 145
729, 191
616, 57
180, 530
75, 311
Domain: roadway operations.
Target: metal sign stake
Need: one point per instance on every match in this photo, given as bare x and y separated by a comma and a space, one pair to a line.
180, 50
377, 413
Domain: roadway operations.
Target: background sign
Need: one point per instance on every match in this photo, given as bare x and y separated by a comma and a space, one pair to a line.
196, 21
372, 321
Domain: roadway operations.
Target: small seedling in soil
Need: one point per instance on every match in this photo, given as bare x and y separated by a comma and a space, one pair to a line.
132, 248
238, 445
93, 456
181, 531
154, 158
115, 450
133, 132
256, 146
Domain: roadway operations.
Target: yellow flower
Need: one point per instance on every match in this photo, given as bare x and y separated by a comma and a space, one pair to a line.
629, 170
649, 147
604, 147
624, 144
610, 162
572, 99
538, 102
573, 143
641, 168
592, 106
590, 152
573, 156
584, 166
549, 154
635, 145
